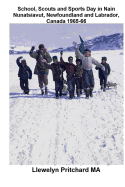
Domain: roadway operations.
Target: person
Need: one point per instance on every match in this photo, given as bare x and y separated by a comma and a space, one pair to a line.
57, 70
79, 77
24, 73
103, 75
65, 87
40, 68
87, 62
70, 70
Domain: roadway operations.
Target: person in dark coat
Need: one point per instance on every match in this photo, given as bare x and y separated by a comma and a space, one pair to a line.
70, 70
57, 70
79, 77
24, 73
40, 69
103, 75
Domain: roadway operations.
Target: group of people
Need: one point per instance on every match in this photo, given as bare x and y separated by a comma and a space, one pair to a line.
79, 75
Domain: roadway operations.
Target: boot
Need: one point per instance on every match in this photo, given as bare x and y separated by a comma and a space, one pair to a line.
70, 95
57, 95
90, 92
42, 92
80, 91
46, 91
87, 93
26, 91
104, 89
60, 93
73, 95
77, 91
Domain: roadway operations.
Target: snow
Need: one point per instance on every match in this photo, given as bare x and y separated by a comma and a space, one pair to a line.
47, 131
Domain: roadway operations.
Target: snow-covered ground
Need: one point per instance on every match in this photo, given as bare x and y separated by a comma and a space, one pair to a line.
47, 131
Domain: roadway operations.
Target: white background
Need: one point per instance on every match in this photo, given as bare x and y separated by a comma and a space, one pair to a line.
22, 175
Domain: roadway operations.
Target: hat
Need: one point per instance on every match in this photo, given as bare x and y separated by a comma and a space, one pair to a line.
41, 46
54, 57
79, 60
23, 60
87, 50
70, 58
104, 58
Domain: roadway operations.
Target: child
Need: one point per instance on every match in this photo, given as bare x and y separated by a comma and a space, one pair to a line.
57, 70
79, 77
87, 62
70, 70
65, 87
24, 73
103, 75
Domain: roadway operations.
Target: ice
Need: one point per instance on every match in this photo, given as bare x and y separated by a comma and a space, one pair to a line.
47, 131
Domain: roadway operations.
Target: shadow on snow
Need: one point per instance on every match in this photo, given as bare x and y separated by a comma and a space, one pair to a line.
37, 95
50, 94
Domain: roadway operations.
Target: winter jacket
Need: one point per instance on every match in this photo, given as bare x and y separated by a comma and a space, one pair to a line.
40, 67
79, 71
69, 67
56, 70
24, 72
87, 61
104, 73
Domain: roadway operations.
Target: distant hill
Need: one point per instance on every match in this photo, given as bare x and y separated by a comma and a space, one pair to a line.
110, 42
18, 49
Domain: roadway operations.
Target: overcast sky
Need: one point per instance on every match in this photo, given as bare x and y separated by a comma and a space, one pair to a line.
58, 35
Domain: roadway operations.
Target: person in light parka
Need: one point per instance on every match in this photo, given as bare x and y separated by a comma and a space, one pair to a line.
87, 62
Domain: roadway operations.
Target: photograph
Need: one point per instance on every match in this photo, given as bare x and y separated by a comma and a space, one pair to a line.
66, 84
